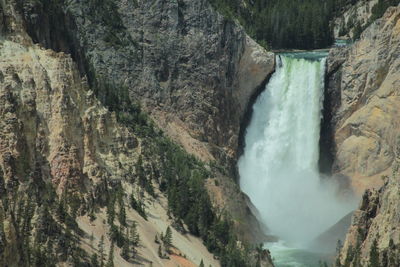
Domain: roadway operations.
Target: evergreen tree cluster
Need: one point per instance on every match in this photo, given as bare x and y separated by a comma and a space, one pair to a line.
51, 237
379, 8
299, 24
284, 24
165, 243
123, 234
389, 256
179, 175
182, 178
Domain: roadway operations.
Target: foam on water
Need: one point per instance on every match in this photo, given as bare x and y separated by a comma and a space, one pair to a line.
279, 167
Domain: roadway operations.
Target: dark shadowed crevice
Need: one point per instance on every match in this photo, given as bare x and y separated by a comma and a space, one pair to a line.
54, 28
247, 119
249, 113
330, 105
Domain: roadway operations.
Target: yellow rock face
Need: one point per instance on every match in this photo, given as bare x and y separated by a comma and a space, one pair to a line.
368, 122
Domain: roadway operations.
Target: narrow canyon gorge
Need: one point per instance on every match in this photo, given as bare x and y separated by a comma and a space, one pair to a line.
167, 133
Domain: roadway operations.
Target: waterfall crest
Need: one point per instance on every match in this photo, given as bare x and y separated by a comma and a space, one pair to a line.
279, 167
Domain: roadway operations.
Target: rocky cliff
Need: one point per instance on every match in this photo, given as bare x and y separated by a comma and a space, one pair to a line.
352, 18
74, 137
190, 68
362, 99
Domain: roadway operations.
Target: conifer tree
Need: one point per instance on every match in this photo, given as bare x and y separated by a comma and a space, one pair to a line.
374, 255
94, 260
101, 251
110, 261
135, 238
122, 214
156, 239
125, 246
111, 212
168, 238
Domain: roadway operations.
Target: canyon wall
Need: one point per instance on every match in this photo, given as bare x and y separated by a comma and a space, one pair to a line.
67, 74
352, 16
191, 69
363, 101
362, 92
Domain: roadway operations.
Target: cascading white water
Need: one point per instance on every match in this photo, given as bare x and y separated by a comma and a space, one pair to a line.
279, 167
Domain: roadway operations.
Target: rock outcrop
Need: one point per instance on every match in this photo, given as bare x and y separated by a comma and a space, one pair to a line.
354, 15
374, 234
363, 100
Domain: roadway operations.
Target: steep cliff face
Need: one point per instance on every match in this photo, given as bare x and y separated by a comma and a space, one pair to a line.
54, 130
363, 99
353, 16
362, 91
188, 66
374, 234
67, 151
191, 69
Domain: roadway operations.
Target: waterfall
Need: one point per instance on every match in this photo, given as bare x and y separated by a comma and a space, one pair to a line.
279, 167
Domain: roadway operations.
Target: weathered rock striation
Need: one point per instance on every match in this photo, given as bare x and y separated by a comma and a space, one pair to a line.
354, 15
363, 102
363, 99
190, 68
65, 67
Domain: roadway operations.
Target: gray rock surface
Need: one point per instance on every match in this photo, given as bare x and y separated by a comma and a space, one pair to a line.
181, 60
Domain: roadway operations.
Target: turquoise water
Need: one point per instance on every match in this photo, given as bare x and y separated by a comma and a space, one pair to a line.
311, 56
285, 256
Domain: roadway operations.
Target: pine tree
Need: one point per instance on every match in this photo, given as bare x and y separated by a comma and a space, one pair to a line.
201, 263
91, 239
156, 239
374, 255
135, 238
94, 261
122, 214
125, 246
168, 238
140, 172
110, 261
138, 206
111, 212
101, 251
92, 216
338, 246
